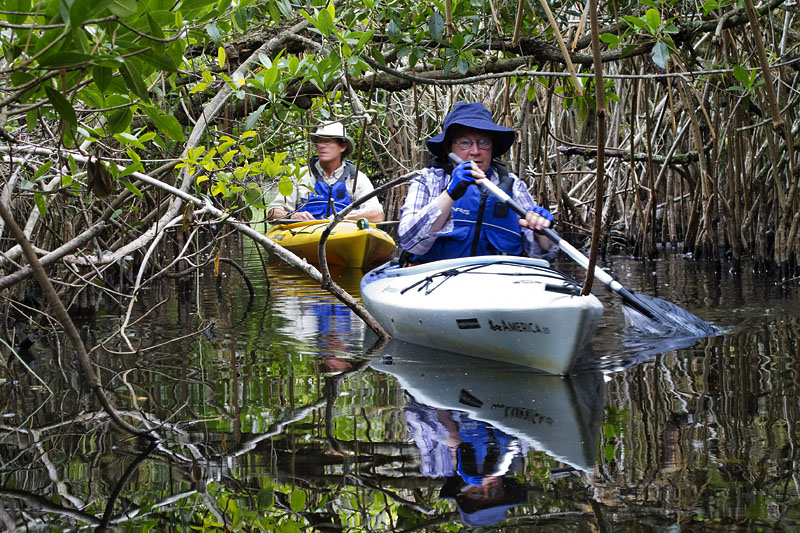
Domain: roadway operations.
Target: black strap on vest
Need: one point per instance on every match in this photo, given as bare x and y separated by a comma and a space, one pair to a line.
349, 171
479, 222
504, 179
505, 182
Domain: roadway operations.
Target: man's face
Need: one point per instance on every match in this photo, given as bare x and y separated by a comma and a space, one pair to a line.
330, 150
490, 489
473, 145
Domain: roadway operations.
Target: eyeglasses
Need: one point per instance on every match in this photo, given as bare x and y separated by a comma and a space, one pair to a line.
466, 144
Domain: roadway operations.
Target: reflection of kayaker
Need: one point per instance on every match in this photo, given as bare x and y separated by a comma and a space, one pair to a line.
334, 326
473, 422
486, 504
332, 317
473, 456
327, 328
555, 415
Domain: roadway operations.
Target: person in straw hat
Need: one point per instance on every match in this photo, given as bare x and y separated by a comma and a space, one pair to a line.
444, 216
328, 184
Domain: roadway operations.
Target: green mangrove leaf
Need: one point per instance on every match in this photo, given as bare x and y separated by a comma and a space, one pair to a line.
62, 107
123, 8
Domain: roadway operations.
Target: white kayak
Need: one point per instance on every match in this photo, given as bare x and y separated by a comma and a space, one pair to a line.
555, 415
512, 309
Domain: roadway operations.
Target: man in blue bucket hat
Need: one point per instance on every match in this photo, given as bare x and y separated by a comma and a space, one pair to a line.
475, 458
486, 504
444, 216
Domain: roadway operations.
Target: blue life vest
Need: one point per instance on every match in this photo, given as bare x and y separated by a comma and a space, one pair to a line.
484, 451
482, 225
328, 200
332, 318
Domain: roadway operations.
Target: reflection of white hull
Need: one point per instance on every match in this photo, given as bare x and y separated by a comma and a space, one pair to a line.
510, 309
556, 415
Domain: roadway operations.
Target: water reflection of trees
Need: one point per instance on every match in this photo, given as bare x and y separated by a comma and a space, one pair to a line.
707, 435
703, 436
335, 451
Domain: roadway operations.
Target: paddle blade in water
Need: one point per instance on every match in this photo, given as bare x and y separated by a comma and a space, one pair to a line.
669, 320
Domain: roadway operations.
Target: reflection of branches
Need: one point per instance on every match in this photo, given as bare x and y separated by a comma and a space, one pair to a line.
66, 322
121, 483
27, 367
293, 415
156, 346
358, 480
330, 393
44, 504
188, 461
241, 272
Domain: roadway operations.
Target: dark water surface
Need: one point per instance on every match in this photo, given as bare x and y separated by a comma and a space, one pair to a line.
281, 415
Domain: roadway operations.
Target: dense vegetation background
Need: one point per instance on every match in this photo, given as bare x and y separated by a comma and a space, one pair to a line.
130, 128
139, 136
132, 115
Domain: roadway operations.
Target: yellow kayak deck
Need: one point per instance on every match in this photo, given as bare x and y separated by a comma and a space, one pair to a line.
348, 244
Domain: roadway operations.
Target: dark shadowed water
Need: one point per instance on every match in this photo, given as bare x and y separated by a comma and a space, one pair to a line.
280, 414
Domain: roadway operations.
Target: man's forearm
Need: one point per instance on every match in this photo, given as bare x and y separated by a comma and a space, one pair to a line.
372, 215
276, 212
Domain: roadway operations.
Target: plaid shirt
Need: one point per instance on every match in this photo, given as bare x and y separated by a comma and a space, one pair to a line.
420, 210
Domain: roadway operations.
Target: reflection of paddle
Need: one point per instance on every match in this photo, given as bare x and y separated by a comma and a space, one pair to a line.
665, 319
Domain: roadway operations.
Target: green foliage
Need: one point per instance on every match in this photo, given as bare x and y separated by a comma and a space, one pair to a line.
613, 430
711, 5
62, 106
649, 27
230, 171
105, 58
749, 82
297, 500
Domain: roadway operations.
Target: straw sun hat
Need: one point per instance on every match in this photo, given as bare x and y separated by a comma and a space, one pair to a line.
334, 130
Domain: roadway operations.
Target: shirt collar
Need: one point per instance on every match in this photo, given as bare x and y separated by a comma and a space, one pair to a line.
336, 173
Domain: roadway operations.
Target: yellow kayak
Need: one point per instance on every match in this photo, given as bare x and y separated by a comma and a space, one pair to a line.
353, 244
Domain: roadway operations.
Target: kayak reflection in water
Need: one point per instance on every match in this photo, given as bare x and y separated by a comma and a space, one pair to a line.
328, 328
474, 457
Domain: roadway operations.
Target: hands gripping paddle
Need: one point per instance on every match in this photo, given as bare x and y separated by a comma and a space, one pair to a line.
652, 315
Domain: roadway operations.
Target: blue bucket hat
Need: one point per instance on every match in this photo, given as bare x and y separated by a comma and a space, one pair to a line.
476, 511
473, 115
